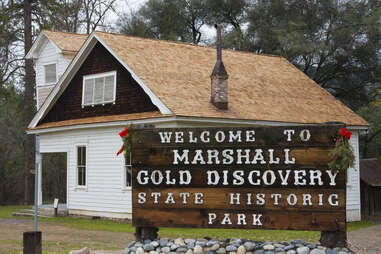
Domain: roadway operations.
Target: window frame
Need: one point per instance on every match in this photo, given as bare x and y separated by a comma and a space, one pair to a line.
94, 76
44, 67
77, 186
126, 187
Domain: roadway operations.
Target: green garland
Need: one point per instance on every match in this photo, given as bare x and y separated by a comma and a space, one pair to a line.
343, 155
126, 148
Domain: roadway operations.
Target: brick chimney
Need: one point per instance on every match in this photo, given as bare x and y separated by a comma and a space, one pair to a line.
219, 78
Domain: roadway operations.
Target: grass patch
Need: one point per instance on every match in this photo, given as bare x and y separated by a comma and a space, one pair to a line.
115, 226
351, 226
6, 211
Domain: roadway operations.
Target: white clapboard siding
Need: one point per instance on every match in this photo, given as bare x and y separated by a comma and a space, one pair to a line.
353, 184
48, 55
105, 192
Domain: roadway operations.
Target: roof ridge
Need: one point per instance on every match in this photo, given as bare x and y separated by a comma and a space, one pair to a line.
191, 44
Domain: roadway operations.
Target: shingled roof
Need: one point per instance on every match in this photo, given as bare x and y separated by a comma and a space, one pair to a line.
261, 87
70, 42
370, 171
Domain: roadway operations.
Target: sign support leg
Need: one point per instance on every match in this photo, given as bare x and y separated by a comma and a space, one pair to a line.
333, 239
146, 233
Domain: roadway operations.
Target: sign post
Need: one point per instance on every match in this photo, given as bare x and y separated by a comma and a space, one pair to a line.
249, 178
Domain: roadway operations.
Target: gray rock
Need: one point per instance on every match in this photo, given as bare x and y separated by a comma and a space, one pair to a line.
138, 244
172, 252
197, 249
215, 247
231, 248
249, 246
190, 245
330, 251
179, 241
209, 252
147, 241
221, 251
232, 252
259, 252
166, 249
317, 251
131, 244
154, 244
139, 250
148, 247
311, 246
163, 242
278, 249
342, 252
291, 252
298, 241
153, 252
345, 249
133, 248
211, 243
303, 250
174, 246
158, 249
189, 252
189, 240
269, 252
268, 247
278, 245
200, 243
181, 249
336, 249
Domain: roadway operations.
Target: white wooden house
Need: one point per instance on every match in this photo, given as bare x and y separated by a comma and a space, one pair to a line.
90, 86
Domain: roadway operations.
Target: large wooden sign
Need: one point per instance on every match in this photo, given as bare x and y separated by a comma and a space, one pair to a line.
260, 177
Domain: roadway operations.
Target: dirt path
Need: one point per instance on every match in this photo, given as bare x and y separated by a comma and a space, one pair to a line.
60, 239
366, 240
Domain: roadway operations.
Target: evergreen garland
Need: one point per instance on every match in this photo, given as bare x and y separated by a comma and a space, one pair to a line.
343, 156
126, 148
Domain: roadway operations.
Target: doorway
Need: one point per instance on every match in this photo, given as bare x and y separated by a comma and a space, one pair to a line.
54, 177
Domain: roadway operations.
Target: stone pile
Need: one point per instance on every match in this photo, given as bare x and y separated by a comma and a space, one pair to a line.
227, 246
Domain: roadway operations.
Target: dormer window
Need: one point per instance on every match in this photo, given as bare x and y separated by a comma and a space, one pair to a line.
50, 74
99, 89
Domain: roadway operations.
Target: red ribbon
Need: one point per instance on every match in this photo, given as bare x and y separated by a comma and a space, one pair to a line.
120, 151
346, 134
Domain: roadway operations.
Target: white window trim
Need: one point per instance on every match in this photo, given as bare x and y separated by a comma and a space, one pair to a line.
81, 187
43, 67
98, 75
124, 186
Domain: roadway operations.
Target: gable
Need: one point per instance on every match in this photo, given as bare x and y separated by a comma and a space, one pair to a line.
130, 97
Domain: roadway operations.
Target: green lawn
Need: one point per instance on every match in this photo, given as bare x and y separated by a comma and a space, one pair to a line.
256, 234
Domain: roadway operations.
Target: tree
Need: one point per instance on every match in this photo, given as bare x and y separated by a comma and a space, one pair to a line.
371, 141
336, 43
167, 19
29, 105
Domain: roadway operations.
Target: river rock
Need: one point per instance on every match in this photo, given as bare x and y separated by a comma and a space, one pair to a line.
221, 251
249, 246
241, 250
231, 248
139, 250
197, 249
303, 250
179, 241
166, 249
268, 247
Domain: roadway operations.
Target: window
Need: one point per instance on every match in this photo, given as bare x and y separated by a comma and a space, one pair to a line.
99, 89
127, 171
50, 73
81, 165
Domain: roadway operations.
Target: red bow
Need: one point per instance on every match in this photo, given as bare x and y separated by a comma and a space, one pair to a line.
346, 134
123, 133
